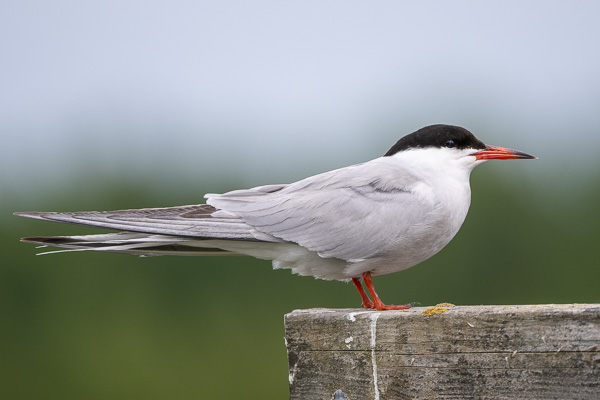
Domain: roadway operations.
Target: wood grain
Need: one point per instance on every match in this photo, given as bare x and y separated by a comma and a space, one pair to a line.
469, 352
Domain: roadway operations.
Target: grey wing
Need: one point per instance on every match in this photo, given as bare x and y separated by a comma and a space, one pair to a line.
195, 221
353, 213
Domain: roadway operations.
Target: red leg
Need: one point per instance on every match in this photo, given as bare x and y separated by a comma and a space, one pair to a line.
376, 300
366, 302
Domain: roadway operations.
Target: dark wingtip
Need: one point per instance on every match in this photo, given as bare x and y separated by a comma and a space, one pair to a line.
29, 214
41, 215
33, 239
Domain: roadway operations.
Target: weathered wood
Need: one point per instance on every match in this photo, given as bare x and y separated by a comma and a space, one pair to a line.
482, 352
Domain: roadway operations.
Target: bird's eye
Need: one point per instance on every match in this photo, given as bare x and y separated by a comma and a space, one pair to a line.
450, 144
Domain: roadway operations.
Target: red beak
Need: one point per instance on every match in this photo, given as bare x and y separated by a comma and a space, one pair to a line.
499, 153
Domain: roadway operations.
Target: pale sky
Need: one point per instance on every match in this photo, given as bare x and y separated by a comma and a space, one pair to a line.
272, 91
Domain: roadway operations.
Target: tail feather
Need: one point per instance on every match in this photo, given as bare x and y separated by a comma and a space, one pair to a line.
132, 243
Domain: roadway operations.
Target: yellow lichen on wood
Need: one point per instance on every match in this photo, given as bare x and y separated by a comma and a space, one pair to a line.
434, 311
437, 309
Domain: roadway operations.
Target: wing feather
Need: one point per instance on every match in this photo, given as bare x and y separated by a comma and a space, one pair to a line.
353, 213
187, 221
346, 213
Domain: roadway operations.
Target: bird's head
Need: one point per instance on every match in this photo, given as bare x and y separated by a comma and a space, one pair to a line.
447, 145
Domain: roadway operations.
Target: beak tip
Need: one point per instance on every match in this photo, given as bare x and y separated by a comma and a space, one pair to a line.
529, 156
502, 153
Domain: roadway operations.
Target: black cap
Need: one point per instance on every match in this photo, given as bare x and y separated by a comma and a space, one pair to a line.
437, 136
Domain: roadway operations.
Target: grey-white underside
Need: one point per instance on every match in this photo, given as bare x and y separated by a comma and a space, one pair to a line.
336, 225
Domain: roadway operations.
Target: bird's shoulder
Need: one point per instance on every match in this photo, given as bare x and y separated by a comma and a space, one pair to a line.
375, 179
381, 174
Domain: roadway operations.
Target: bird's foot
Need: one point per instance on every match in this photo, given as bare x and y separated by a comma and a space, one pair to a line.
368, 304
376, 303
383, 307
366, 301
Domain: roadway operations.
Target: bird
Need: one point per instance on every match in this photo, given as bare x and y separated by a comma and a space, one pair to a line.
368, 219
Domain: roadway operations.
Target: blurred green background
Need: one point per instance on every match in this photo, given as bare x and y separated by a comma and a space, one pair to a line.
152, 104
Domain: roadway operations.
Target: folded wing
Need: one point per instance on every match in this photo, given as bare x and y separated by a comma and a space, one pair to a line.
193, 221
350, 213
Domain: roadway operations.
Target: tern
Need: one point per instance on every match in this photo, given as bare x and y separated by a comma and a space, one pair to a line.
368, 219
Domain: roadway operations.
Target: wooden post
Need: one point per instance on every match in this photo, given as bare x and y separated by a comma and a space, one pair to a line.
483, 352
